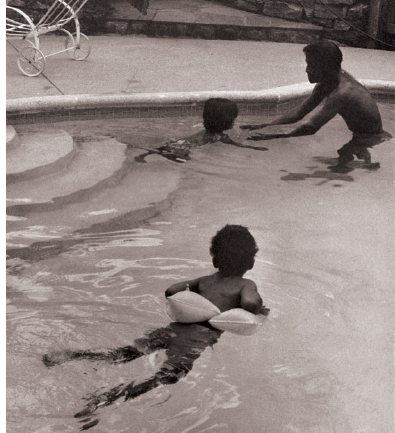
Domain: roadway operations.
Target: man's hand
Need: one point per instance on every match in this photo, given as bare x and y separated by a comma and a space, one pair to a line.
252, 127
226, 139
255, 147
260, 136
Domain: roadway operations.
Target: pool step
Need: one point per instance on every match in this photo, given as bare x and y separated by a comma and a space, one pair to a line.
32, 153
86, 165
12, 138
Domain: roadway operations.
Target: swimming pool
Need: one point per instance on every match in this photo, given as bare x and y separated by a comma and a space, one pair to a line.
88, 270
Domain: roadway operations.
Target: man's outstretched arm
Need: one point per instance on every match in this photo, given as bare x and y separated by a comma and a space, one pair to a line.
227, 140
324, 115
295, 114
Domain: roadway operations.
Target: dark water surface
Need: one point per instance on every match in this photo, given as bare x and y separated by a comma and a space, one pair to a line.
89, 260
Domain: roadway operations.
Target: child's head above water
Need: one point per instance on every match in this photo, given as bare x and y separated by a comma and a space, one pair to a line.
219, 115
233, 249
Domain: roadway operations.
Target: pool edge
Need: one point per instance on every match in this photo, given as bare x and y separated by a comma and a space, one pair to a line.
50, 109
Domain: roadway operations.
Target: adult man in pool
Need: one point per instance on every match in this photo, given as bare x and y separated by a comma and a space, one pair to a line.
340, 94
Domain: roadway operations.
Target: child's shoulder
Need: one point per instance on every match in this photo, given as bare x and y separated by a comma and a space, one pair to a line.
240, 284
249, 284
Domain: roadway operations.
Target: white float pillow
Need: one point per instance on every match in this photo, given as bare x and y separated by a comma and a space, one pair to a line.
190, 307
238, 321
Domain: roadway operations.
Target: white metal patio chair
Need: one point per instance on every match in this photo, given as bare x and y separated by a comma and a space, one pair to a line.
31, 60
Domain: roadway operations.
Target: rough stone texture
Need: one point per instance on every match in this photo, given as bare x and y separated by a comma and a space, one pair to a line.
341, 25
137, 27
262, 20
322, 12
287, 11
308, 6
254, 34
357, 12
311, 10
250, 6
340, 2
15, 3
118, 27
323, 22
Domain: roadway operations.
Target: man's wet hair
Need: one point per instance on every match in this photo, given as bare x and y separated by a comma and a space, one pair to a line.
219, 114
233, 249
326, 52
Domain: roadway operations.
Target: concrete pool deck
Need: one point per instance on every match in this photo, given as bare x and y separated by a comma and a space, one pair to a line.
131, 65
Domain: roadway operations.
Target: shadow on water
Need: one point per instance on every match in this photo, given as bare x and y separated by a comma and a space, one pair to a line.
334, 172
123, 225
43, 250
182, 343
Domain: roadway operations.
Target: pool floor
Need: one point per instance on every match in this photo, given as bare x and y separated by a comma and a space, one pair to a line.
87, 268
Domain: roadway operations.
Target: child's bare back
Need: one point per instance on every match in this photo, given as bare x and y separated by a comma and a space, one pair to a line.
233, 250
226, 292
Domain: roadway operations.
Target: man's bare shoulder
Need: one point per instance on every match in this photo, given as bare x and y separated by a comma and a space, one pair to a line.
349, 87
346, 91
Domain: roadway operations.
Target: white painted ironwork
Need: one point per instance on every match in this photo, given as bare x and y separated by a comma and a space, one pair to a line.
31, 59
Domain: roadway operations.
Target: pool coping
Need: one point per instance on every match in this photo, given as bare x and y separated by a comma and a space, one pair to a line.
268, 102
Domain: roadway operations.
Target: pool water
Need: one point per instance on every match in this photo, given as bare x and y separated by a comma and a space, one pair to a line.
88, 266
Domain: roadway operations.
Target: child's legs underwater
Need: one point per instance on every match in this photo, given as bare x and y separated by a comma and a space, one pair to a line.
183, 344
153, 341
120, 355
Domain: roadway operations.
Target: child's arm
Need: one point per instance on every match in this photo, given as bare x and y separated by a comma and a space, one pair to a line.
252, 127
227, 140
180, 287
250, 298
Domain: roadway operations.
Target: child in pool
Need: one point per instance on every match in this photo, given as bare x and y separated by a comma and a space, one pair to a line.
341, 94
233, 249
219, 115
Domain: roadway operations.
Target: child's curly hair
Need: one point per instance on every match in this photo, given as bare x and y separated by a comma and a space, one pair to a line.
233, 249
219, 114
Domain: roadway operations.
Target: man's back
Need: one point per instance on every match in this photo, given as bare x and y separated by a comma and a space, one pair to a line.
356, 106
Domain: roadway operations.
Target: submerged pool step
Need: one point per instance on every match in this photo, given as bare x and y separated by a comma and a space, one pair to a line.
33, 153
88, 164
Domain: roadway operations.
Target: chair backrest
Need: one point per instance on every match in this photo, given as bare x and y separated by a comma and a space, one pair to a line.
61, 12
18, 23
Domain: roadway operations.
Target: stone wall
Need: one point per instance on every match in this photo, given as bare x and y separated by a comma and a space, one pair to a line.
355, 12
